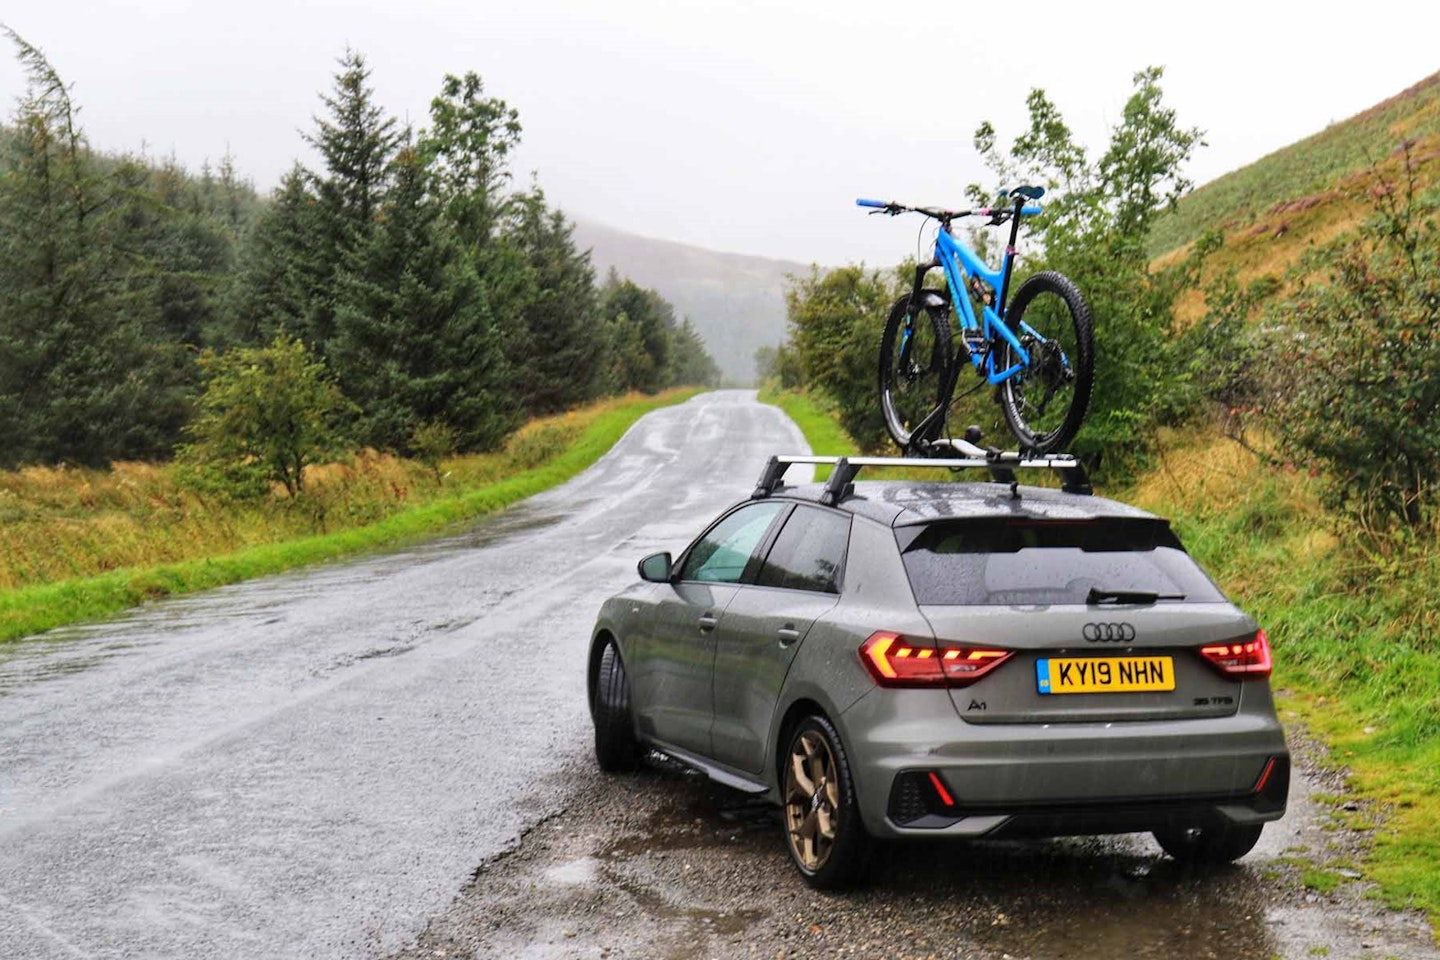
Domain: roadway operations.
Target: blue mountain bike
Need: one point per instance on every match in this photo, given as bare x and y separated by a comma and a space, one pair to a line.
1037, 350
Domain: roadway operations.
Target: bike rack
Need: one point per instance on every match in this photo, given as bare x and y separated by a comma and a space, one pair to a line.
1000, 464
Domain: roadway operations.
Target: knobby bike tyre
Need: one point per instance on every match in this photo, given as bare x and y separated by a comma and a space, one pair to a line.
1045, 404
913, 374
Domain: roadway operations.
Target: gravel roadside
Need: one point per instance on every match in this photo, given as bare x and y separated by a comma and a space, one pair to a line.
665, 865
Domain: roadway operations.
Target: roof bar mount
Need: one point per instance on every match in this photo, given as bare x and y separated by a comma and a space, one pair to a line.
1001, 466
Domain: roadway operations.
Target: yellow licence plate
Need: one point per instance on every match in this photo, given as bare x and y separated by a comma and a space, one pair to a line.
1104, 674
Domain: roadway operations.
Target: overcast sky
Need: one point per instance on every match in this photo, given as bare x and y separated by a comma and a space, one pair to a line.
741, 126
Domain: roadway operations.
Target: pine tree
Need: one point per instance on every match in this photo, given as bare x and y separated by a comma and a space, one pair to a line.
357, 143
690, 363
641, 322
557, 350
284, 268
415, 344
84, 374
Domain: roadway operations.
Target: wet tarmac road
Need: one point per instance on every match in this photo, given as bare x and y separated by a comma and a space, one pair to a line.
312, 765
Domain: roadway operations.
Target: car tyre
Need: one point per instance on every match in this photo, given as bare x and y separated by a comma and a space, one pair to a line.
1208, 846
616, 748
823, 830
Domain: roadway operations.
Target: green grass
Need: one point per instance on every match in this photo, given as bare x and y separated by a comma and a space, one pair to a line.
34, 608
1321, 881
817, 422
1356, 635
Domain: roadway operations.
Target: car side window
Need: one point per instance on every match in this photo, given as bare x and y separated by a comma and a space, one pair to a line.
721, 555
809, 552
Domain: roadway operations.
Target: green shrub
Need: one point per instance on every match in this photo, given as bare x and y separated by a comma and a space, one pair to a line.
266, 413
1357, 396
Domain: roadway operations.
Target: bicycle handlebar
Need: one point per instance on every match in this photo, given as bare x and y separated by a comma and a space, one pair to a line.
895, 209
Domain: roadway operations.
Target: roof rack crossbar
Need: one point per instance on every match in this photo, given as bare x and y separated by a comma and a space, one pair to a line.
1000, 465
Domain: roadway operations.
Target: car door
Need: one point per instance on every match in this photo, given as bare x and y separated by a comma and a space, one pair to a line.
671, 669
764, 624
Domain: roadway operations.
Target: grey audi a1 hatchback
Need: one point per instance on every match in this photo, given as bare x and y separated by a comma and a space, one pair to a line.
912, 660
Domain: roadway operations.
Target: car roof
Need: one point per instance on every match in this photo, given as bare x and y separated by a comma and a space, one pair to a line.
903, 502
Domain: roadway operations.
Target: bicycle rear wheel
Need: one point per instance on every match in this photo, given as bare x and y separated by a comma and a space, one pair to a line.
915, 363
1045, 403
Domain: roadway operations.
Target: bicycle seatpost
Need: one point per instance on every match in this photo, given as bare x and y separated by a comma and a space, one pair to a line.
1009, 255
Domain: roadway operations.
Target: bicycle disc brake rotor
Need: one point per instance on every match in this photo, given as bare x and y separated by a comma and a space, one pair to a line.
1048, 371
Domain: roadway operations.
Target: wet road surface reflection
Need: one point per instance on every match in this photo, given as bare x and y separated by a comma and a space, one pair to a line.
666, 865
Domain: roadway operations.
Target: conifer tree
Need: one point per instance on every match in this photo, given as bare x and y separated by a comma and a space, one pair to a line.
84, 377
284, 267
557, 348
641, 321
690, 363
357, 142
415, 343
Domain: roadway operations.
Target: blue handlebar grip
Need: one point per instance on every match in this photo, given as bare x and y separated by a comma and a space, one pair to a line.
862, 202
1030, 211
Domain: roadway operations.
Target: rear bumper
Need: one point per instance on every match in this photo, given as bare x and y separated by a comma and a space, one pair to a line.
917, 808
1060, 779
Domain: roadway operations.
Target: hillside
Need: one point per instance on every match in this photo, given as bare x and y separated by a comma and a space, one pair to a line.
736, 302
1309, 192
1306, 169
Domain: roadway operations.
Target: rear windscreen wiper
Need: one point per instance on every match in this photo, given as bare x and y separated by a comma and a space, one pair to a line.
1096, 595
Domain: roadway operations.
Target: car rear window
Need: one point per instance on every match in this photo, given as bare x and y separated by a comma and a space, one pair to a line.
1016, 561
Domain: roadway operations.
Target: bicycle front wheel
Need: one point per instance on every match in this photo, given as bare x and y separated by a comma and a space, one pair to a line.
914, 367
1045, 402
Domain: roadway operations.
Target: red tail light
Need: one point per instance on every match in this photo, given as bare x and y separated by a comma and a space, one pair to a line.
896, 662
1242, 657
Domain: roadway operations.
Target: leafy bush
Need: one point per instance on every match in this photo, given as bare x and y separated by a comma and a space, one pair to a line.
835, 326
1357, 396
266, 413
432, 443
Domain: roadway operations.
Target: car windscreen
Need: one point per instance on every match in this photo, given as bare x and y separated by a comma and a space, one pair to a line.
1017, 561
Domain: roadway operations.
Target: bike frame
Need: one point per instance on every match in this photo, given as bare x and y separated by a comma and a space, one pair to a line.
958, 260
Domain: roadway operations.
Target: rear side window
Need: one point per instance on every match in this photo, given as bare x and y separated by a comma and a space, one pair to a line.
808, 553
1019, 562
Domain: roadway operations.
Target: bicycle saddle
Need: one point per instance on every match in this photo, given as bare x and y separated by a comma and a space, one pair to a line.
1028, 192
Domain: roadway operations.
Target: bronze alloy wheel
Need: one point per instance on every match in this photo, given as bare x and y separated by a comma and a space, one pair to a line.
812, 800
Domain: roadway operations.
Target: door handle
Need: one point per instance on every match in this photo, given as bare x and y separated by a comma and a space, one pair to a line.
707, 622
787, 635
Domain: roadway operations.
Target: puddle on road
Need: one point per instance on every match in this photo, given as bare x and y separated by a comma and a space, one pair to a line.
491, 529
1094, 897
582, 872
1084, 898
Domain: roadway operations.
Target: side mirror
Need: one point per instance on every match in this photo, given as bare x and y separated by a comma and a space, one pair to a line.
656, 568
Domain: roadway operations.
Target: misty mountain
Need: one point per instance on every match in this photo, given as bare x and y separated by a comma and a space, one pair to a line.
736, 302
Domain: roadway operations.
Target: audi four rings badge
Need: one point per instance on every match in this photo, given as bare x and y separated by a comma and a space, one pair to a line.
1108, 632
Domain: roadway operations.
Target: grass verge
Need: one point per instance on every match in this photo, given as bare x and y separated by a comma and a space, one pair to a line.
1356, 631
1354, 628
543, 456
